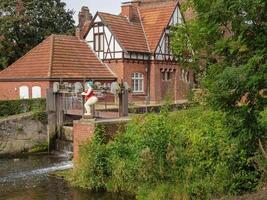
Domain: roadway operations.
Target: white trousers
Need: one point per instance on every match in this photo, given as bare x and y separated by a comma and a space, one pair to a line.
89, 103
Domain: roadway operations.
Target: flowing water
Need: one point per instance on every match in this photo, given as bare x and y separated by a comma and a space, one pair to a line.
27, 178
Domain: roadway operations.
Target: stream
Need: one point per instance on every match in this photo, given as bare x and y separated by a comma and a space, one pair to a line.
27, 178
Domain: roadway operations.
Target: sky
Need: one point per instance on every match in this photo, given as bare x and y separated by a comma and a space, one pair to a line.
111, 6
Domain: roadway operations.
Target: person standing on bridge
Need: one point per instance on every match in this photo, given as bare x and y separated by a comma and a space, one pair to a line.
90, 98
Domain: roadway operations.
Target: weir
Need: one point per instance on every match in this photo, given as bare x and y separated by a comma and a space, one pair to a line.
66, 105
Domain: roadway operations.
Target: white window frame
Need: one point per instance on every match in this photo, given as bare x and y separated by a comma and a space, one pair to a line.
24, 92
185, 75
137, 82
36, 92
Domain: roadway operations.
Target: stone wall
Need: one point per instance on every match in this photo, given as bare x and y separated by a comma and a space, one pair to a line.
21, 133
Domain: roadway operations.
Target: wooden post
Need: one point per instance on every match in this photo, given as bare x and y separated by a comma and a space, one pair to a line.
123, 101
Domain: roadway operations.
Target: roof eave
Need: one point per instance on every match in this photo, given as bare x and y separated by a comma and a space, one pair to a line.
30, 79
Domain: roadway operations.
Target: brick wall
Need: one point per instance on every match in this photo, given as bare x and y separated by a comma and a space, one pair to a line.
117, 68
129, 69
10, 90
83, 131
175, 88
124, 70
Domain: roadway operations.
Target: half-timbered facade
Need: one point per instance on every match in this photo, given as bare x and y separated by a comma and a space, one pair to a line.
133, 47
136, 45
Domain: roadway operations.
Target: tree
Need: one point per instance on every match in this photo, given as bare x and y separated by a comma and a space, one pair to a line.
226, 44
25, 23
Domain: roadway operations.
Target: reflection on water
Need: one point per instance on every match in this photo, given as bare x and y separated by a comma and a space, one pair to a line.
27, 179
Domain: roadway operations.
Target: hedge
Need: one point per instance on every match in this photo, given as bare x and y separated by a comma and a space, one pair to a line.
14, 107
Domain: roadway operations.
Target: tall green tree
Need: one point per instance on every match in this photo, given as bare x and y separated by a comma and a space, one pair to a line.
226, 44
25, 23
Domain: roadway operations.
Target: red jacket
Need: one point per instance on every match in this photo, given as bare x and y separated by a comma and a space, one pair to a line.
89, 95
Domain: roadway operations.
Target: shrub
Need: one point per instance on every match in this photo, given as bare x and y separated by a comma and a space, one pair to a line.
92, 169
14, 107
189, 154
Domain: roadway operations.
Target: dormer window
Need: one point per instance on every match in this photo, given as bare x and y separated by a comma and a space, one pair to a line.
99, 42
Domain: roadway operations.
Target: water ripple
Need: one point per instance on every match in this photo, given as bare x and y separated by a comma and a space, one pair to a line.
25, 175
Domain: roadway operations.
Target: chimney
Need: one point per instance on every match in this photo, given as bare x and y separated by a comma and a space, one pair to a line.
127, 11
84, 16
78, 33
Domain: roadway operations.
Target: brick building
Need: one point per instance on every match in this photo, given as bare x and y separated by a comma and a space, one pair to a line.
133, 46
136, 46
58, 58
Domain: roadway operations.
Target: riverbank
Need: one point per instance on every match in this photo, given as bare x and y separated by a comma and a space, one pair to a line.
28, 177
259, 195
189, 154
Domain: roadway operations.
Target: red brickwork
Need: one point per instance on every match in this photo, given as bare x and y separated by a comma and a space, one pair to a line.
82, 132
124, 71
138, 29
175, 89
10, 90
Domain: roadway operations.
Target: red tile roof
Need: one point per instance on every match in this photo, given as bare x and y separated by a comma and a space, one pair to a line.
143, 33
155, 18
130, 35
58, 56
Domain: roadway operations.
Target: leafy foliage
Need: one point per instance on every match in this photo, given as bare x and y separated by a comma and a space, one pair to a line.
25, 23
14, 107
226, 44
189, 154
92, 170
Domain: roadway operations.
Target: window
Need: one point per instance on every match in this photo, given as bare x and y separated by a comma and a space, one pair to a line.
24, 92
137, 82
167, 43
99, 42
36, 92
166, 76
185, 75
